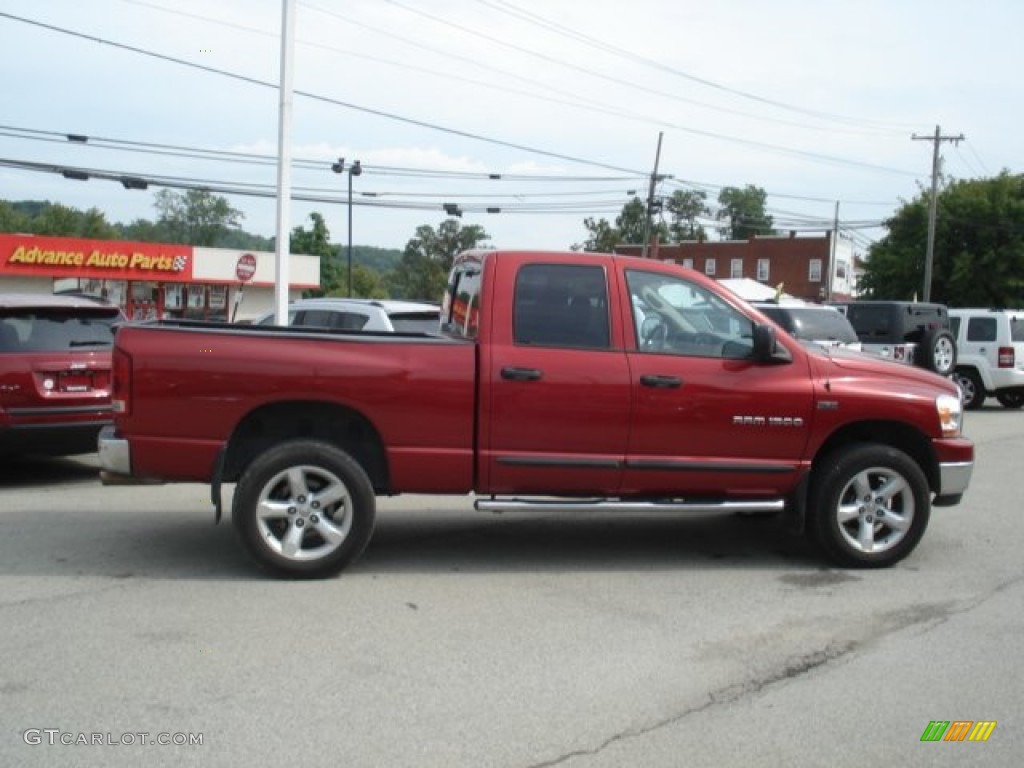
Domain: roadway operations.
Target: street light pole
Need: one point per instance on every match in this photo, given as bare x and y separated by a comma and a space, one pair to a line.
355, 169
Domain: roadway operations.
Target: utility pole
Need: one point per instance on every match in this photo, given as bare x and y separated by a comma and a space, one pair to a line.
829, 281
933, 206
650, 196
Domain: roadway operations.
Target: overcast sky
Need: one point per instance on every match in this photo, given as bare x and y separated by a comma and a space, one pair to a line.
815, 101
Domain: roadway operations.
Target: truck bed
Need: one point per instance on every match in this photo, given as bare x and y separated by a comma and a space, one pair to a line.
329, 376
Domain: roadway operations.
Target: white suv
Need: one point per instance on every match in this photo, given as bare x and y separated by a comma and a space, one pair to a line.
991, 355
386, 315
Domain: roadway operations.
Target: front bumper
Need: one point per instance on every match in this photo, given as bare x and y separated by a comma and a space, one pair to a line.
954, 477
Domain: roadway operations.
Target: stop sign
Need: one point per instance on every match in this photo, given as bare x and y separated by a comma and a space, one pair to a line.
246, 267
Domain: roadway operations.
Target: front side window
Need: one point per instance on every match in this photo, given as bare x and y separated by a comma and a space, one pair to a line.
561, 305
675, 316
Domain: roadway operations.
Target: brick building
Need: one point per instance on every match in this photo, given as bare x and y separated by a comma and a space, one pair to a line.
804, 265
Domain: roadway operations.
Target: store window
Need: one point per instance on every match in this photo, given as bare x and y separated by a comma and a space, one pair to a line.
814, 271
174, 299
218, 303
143, 301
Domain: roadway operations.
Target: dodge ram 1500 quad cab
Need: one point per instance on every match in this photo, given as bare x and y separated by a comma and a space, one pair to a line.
565, 381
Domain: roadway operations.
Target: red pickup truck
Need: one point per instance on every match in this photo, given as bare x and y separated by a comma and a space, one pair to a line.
556, 381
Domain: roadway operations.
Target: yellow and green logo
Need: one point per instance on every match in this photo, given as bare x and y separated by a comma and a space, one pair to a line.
958, 730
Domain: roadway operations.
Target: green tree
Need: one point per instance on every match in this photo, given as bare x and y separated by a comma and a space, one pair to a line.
428, 257
685, 207
630, 228
743, 210
196, 216
632, 223
57, 220
978, 257
603, 236
11, 219
93, 224
316, 241
367, 283
144, 231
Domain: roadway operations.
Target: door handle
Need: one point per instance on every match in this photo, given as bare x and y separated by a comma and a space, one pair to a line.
661, 382
520, 374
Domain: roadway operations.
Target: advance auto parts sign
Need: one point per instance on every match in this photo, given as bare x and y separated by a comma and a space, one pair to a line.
106, 259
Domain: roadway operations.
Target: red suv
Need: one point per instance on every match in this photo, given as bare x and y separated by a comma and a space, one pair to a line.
54, 373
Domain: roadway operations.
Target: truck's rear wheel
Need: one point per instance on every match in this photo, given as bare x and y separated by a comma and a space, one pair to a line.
304, 509
869, 505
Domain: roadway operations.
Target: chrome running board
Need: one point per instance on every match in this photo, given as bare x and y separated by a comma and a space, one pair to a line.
495, 504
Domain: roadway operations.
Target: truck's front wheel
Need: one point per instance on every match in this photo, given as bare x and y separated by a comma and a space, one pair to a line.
304, 509
869, 505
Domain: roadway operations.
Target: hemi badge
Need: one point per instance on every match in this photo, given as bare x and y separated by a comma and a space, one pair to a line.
828, 405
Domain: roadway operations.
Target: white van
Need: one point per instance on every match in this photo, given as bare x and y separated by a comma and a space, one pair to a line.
990, 361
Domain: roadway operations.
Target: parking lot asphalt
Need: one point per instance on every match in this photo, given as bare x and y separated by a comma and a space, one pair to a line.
460, 638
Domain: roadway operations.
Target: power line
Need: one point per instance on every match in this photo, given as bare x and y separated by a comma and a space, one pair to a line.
325, 99
201, 153
133, 180
509, 8
764, 146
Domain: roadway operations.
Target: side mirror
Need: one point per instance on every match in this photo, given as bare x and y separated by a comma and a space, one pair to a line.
766, 348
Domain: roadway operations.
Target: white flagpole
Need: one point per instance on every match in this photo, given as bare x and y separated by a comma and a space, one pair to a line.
284, 163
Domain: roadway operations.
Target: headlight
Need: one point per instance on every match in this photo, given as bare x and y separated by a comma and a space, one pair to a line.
950, 415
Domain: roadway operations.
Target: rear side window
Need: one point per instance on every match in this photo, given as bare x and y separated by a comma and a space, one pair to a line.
561, 305
1017, 328
42, 330
981, 329
348, 321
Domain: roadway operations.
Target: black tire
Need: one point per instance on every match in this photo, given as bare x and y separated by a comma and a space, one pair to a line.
304, 509
972, 391
857, 529
1011, 398
937, 352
